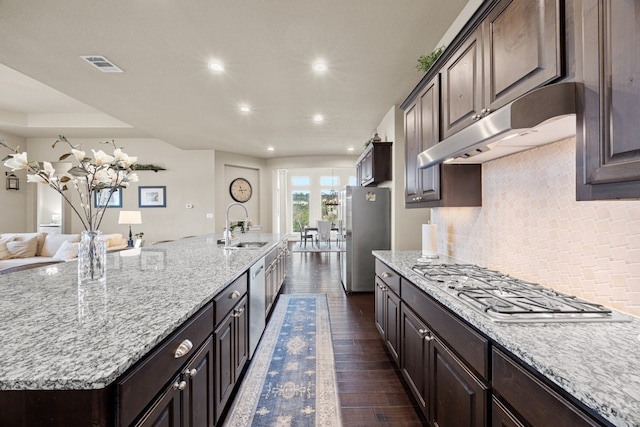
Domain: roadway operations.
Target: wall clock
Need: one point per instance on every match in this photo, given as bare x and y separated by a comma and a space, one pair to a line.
240, 190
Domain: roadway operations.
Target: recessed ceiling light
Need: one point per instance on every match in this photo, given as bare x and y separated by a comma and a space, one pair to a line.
216, 66
245, 108
270, 148
318, 118
350, 149
320, 67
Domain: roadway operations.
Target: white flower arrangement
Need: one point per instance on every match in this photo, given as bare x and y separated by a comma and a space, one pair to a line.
89, 177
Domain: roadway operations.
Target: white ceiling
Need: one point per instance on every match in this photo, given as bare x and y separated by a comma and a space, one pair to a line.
167, 91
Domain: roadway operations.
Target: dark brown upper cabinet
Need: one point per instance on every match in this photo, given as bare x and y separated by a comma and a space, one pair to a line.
608, 65
462, 98
439, 185
522, 49
516, 48
374, 164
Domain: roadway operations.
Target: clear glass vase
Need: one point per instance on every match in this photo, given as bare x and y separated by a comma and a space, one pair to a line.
92, 258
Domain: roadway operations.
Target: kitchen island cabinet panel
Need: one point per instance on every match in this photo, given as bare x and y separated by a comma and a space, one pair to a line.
231, 354
137, 389
188, 399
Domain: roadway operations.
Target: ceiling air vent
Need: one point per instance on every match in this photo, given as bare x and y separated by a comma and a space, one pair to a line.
102, 63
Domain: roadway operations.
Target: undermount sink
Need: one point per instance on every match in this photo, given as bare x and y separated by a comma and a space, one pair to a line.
247, 245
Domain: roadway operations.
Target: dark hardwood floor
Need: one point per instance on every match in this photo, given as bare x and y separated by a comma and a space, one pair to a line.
371, 389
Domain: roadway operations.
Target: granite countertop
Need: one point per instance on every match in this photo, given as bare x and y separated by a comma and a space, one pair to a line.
597, 363
58, 335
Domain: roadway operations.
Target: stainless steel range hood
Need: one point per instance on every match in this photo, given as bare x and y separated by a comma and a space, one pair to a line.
541, 116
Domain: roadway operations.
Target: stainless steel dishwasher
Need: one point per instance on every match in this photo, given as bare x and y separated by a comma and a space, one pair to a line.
257, 304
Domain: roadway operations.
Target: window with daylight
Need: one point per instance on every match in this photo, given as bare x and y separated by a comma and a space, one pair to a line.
300, 209
300, 201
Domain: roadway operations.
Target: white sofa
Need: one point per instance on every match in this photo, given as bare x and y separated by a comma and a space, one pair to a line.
22, 249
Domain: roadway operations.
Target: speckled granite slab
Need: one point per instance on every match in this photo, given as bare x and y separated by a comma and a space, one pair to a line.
597, 363
58, 335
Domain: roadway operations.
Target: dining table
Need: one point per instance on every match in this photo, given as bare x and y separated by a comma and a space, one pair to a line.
308, 228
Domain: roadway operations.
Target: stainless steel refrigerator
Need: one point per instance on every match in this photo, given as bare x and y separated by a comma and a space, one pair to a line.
366, 221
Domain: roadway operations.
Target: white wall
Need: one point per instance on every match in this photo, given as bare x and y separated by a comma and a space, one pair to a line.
405, 223
229, 166
530, 226
186, 179
13, 202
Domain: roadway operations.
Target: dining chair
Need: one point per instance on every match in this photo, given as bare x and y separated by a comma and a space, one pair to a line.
304, 235
324, 232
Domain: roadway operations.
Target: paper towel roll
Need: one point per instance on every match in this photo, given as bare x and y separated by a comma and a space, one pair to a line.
429, 239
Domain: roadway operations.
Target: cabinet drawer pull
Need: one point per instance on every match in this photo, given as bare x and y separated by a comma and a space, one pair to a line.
180, 385
385, 274
234, 295
191, 372
184, 348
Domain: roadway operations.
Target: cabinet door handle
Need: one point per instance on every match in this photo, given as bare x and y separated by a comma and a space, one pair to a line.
191, 372
234, 295
485, 111
476, 117
255, 275
184, 348
423, 331
238, 312
180, 385
428, 337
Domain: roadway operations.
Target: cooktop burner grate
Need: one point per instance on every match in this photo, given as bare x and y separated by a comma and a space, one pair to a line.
506, 299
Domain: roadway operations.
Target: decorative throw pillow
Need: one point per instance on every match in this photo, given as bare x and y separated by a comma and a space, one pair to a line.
23, 248
53, 242
4, 252
68, 250
26, 236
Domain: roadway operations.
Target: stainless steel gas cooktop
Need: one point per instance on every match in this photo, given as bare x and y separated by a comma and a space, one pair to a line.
506, 299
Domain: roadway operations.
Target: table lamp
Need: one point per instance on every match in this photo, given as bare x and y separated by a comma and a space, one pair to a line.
130, 217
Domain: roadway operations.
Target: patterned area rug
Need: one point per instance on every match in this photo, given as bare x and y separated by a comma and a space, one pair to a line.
291, 380
312, 247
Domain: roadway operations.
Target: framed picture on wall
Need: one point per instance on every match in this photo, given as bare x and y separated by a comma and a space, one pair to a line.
152, 197
101, 198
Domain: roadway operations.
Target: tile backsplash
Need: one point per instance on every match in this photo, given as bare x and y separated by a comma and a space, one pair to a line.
531, 227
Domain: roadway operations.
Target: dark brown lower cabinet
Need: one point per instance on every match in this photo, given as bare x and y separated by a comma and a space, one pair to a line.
188, 400
448, 393
388, 316
231, 353
414, 351
458, 397
501, 416
456, 374
535, 402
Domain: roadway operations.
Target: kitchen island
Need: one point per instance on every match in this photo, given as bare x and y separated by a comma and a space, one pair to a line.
594, 365
60, 336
